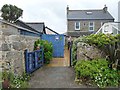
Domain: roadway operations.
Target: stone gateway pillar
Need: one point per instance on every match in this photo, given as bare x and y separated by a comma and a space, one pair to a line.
119, 16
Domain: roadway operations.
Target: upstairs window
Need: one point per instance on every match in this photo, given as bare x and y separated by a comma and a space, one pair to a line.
77, 25
91, 26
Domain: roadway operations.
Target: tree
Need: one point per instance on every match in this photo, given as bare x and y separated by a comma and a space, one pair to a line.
11, 13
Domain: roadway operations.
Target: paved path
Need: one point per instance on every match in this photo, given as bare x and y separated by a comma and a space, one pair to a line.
55, 75
61, 62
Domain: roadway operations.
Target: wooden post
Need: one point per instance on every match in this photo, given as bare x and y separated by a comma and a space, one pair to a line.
42, 55
71, 54
36, 60
26, 61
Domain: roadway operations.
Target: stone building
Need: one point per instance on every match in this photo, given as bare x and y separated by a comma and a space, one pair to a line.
85, 22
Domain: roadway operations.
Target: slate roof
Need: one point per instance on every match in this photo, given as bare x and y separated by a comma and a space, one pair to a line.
16, 26
37, 26
83, 15
24, 25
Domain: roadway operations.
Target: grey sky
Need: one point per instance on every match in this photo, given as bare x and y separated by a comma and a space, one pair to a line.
53, 12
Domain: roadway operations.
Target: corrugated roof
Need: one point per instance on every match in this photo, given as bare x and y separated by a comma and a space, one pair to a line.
88, 14
37, 26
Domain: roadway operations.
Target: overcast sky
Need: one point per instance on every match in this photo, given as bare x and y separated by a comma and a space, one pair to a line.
53, 12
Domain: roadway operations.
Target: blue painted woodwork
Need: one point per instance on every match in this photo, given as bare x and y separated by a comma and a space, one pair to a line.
27, 33
33, 60
71, 54
57, 42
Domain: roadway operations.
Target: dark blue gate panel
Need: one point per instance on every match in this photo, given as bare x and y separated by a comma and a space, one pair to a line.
33, 60
58, 44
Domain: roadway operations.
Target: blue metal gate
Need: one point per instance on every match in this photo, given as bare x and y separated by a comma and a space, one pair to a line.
33, 60
58, 44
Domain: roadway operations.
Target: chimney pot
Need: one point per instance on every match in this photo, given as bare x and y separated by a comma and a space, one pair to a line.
105, 9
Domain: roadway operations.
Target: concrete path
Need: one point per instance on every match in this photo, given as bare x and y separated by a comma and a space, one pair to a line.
55, 75
61, 62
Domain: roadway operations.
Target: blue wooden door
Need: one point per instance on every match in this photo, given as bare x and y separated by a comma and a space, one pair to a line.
58, 44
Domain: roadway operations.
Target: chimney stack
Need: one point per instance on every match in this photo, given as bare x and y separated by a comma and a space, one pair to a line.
67, 9
105, 9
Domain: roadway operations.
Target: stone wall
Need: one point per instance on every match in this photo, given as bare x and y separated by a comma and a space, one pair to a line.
12, 51
119, 15
87, 52
9, 29
84, 25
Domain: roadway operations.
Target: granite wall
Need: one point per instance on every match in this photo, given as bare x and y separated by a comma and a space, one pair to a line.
12, 51
87, 52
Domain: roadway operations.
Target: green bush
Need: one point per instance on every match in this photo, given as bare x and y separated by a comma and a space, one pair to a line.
74, 49
16, 81
48, 49
48, 56
98, 72
109, 44
101, 39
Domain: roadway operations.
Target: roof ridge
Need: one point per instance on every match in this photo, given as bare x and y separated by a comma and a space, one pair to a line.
34, 22
88, 10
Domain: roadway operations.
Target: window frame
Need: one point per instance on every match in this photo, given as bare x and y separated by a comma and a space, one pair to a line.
91, 26
76, 25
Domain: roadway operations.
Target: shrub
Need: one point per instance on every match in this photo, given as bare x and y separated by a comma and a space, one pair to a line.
16, 81
48, 49
48, 56
109, 44
98, 72
101, 39
74, 49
